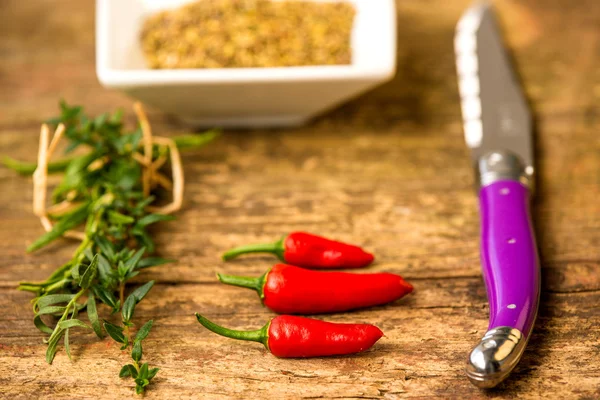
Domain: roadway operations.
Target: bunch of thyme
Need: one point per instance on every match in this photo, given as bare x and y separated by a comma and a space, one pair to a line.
109, 190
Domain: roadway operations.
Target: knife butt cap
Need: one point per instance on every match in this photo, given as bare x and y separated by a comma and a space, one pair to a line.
492, 360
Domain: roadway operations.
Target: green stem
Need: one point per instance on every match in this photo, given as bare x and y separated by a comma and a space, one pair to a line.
261, 335
191, 141
28, 168
77, 259
246, 282
57, 273
43, 287
29, 288
121, 293
71, 304
57, 285
276, 248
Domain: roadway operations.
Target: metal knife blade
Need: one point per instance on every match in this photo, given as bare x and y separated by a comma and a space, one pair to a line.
495, 112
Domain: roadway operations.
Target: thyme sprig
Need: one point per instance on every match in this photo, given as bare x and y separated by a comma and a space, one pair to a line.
111, 191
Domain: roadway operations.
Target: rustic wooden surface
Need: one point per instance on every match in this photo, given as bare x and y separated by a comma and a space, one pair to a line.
388, 170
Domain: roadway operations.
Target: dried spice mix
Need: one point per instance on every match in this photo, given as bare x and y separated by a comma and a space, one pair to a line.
249, 33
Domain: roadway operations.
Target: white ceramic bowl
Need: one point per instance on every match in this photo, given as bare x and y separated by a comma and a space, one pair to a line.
242, 97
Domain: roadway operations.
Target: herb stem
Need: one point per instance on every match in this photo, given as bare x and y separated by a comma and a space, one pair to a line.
122, 293
29, 288
28, 168
59, 271
57, 285
71, 304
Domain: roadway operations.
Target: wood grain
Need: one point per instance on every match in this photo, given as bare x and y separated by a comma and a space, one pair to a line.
388, 171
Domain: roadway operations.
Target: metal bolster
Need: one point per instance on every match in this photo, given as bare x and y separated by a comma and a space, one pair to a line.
503, 165
495, 356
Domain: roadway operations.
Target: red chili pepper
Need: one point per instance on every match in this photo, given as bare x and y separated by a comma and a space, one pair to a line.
309, 251
288, 336
286, 289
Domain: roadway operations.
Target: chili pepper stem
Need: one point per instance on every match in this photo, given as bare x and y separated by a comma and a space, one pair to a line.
244, 281
261, 335
277, 248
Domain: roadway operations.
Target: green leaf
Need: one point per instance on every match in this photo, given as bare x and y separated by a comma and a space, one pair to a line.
73, 323
88, 254
132, 371
105, 272
135, 297
141, 383
47, 300
106, 296
100, 120
106, 247
136, 352
92, 313
51, 310
144, 203
74, 175
144, 239
128, 308
52, 345
67, 222
152, 373
122, 269
37, 321
125, 372
153, 218
124, 173
144, 331
131, 275
133, 261
128, 370
90, 273
119, 219
68, 112
139, 389
184, 142
153, 261
76, 271
67, 348
117, 116
143, 372
142, 291
115, 332
134, 139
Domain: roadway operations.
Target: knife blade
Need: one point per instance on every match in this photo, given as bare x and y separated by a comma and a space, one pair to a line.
498, 130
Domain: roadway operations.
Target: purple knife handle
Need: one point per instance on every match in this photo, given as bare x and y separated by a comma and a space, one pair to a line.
510, 266
509, 255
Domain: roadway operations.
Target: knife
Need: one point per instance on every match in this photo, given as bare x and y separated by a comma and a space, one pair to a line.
498, 130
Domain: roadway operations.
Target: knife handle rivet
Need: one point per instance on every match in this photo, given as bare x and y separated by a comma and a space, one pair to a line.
504, 191
511, 306
511, 241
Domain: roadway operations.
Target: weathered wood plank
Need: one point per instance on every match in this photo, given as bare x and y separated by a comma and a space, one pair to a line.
388, 171
422, 354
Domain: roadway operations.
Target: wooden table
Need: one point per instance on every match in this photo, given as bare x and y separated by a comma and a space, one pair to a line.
388, 171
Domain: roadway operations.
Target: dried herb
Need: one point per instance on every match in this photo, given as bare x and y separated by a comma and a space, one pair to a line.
110, 192
249, 33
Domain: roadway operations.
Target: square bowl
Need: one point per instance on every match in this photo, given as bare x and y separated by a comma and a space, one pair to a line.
242, 97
